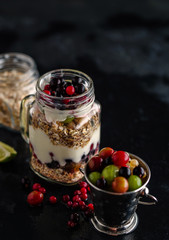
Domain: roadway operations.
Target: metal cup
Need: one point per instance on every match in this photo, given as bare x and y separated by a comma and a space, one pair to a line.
115, 213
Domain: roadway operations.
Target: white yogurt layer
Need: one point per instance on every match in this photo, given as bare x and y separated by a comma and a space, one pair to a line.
43, 147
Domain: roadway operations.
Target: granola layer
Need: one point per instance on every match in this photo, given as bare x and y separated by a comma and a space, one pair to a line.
59, 174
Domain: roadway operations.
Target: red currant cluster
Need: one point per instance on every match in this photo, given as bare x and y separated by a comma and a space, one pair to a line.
78, 203
36, 197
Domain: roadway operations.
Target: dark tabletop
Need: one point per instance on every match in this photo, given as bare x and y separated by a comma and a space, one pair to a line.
124, 46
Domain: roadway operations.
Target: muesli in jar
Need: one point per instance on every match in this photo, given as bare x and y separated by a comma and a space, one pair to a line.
18, 76
63, 125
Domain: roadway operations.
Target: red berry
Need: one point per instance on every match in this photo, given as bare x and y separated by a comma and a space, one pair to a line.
120, 158
88, 189
35, 198
47, 92
36, 186
95, 163
71, 224
42, 190
53, 199
66, 198
69, 204
106, 152
75, 205
90, 206
83, 207
76, 198
81, 203
70, 90
47, 87
83, 184
84, 196
77, 192
83, 190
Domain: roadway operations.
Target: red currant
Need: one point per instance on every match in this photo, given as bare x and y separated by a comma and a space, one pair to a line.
90, 206
53, 199
75, 205
76, 198
35, 198
42, 190
83, 184
70, 90
120, 158
83, 190
47, 92
71, 224
47, 87
69, 204
84, 196
77, 192
36, 186
66, 198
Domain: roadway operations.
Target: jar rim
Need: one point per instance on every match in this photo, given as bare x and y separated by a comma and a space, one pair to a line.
31, 64
65, 70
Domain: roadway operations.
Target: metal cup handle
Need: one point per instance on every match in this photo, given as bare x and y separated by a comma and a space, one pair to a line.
146, 194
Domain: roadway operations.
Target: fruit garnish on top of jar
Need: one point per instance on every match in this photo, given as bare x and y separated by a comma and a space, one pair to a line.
115, 171
60, 86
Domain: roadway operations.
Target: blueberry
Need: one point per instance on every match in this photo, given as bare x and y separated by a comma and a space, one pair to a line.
125, 172
101, 183
77, 80
54, 164
108, 161
139, 171
80, 88
68, 160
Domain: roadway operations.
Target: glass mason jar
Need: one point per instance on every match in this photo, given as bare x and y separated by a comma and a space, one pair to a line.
63, 132
18, 75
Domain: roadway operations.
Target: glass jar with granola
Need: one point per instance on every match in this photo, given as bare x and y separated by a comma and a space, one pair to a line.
62, 125
18, 76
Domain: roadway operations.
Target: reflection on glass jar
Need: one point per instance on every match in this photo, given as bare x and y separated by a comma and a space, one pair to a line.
18, 76
63, 130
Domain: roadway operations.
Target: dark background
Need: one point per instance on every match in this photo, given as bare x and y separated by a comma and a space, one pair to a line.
124, 46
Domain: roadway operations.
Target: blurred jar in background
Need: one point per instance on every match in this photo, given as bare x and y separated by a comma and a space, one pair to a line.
18, 77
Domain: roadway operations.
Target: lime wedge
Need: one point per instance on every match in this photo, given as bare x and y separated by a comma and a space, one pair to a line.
10, 149
4, 155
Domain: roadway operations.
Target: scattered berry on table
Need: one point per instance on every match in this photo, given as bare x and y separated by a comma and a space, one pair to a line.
66, 198
36, 186
25, 182
83, 184
42, 190
90, 206
52, 199
83, 190
75, 217
35, 198
75, 205
69, 204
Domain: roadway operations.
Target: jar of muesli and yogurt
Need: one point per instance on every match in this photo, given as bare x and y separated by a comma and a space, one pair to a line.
18, 76
61, 122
